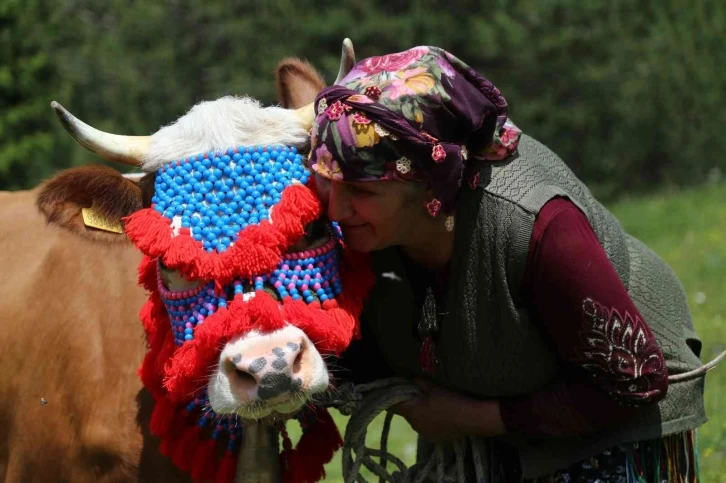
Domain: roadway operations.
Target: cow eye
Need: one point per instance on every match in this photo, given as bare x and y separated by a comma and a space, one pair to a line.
175, 281
316, 235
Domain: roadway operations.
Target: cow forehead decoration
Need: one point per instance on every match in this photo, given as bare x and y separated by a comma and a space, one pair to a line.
217, 196
247, 227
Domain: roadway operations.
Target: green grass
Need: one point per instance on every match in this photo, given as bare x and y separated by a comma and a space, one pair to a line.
687, 228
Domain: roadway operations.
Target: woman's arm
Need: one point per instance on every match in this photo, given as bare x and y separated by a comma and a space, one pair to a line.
614, 361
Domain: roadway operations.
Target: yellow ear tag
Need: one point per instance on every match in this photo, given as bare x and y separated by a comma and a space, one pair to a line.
96, 220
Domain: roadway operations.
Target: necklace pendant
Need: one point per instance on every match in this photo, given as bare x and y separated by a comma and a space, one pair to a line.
428, 326
427, 355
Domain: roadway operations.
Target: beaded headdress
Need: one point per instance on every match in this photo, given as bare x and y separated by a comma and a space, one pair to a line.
230, 219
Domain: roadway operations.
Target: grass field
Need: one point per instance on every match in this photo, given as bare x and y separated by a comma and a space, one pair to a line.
687, 229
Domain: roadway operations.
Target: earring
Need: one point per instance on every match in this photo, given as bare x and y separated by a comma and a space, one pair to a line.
450, 223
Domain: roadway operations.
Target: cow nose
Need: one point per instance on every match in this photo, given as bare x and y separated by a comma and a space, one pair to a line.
269, 371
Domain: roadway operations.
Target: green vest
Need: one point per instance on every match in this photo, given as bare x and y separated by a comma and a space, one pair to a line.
488, 347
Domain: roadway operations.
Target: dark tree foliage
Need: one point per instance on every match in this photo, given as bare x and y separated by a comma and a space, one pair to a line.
630, 93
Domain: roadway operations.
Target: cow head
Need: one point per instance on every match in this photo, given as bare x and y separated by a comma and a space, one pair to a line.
249, 288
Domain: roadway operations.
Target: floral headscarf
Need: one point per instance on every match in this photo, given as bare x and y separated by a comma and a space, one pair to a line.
421, 114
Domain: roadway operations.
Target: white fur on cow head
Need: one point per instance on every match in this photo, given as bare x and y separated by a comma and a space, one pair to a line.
223, 123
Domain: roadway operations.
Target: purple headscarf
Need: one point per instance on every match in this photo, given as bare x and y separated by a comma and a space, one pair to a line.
420, 114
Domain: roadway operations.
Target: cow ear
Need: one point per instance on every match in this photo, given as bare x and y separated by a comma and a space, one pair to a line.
91, 201
298, 83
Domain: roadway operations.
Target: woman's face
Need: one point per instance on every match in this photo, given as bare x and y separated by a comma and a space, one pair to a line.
374, 214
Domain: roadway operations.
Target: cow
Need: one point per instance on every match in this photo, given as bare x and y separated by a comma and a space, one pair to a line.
73, 405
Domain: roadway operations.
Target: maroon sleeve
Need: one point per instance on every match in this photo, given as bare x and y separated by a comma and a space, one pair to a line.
613, 362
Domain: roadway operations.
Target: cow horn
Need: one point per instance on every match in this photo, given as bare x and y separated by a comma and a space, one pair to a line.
112, 147
306, 114
347, 60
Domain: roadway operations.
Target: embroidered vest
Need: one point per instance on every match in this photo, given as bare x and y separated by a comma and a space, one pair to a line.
487, 345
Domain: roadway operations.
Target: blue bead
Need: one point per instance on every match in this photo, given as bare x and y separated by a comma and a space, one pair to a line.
188, 337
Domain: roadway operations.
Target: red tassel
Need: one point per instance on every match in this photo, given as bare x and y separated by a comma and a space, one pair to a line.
289, 461
205, 461
162, 417
317, 447
227, 469
258, 248
147, 273
170, 440
265, 311
149, 231
184, 453
168, 446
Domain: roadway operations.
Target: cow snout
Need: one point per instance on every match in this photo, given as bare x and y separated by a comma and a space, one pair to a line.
262, 373
270, 372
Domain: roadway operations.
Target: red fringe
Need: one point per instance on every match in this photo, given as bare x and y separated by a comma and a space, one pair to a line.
227, 469
289, 464
265, 311
205, 461
162, 417
187, 369
168, 446
258, 249
316, 448
183, 455
170, 441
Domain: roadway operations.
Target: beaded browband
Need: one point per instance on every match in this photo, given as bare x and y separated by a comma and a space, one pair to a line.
216, 195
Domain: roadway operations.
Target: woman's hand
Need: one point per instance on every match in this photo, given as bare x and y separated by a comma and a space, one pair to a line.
441, 415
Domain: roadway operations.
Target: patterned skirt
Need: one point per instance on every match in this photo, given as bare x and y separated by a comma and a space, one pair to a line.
672, 458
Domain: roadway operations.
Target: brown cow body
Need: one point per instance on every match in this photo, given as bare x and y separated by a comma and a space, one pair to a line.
72, 406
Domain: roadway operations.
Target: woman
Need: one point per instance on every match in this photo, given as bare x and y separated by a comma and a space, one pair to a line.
513, 297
